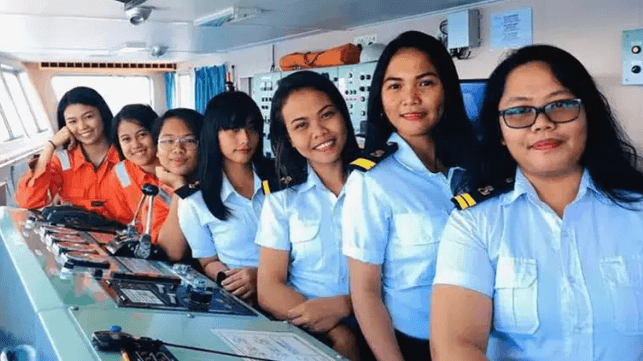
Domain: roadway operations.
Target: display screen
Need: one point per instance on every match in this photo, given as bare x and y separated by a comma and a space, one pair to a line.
473, 94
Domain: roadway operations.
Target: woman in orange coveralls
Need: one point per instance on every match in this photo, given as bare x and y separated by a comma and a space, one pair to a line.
76, 161
132, 137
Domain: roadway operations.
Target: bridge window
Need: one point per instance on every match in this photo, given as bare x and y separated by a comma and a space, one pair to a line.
117, 91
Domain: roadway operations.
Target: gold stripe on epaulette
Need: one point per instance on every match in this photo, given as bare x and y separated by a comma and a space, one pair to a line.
467, 197
266, 187
363, 163
461, 202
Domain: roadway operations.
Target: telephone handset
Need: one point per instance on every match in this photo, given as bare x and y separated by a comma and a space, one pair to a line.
78, 218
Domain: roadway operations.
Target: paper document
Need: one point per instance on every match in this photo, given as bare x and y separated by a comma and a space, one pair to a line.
282, 346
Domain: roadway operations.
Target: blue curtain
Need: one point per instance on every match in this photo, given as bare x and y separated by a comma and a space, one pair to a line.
170, 90
209, 81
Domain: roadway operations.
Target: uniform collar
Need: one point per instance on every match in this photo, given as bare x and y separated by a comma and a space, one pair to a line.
523, 186
312, 180
407, 157
227, 188
79, 159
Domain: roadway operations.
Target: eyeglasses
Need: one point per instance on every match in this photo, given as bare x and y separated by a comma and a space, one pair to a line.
168, 143
559, 111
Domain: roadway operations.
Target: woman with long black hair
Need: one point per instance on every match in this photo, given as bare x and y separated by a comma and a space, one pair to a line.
220, 221
303, 275
549, 264
418, 141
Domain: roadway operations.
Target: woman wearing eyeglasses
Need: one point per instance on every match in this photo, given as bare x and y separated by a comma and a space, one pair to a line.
177, 133
550, 265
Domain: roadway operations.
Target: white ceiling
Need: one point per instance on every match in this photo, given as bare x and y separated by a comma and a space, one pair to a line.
94, 29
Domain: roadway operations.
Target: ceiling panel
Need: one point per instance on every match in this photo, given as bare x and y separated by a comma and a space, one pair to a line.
82, 29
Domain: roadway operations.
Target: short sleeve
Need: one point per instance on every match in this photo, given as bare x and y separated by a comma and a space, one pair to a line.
197, 234
365, 220
273, 229
463, 258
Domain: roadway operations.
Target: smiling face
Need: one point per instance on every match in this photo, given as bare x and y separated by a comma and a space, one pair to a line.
238, 145
84, 123
412, 93
180, 159
544, 149
315, 126
136, 143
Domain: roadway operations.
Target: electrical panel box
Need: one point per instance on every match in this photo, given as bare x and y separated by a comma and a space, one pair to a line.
354, 84
263, 88
352, 81
632, 56
463, 29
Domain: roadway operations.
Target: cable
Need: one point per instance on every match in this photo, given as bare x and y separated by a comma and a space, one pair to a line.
215, 352
443, 26
272, 56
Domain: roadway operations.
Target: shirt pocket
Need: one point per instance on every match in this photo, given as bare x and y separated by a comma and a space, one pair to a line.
515, 300
624, 280
412, 251
222, 236
306, 252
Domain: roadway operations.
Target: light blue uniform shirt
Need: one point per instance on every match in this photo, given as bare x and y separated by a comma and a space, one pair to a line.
562, 289
232, 240
306, 221
393, 216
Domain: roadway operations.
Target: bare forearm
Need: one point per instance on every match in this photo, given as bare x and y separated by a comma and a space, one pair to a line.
213, 268
375, 322
456, 351
278, 299
171, 238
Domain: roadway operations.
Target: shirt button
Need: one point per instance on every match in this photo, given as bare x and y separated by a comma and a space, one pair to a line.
563, 233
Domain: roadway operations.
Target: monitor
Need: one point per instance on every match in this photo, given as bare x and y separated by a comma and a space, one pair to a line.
473, 94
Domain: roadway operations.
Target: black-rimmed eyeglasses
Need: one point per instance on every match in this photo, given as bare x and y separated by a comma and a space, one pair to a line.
559, 111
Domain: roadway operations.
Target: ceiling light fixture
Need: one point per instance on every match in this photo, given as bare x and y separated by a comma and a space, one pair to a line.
131, 47
227, 16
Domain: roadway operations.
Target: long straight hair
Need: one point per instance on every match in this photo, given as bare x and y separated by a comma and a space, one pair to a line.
455, 141
230, 110
291, 166
609, 157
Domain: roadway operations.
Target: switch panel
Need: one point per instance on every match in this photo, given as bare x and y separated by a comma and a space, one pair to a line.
352, 81
354, 84
632, 56
263, 88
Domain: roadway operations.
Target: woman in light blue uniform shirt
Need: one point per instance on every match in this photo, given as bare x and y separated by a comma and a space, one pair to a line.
303, 276
395, 211
220, 220
550, 267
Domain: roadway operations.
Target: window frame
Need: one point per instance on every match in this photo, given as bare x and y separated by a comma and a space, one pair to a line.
18, 147
106, 75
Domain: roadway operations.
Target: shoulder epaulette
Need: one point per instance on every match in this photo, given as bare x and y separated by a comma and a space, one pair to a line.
469, 199
367, 160
270, 185
187, 190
